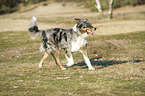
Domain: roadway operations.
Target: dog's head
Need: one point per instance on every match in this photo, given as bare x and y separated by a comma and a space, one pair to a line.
85, 26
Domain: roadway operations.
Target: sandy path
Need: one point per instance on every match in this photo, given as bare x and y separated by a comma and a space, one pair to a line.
19, 21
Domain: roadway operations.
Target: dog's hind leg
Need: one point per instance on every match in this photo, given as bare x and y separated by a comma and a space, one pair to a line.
85, 55
43, 58
56, 58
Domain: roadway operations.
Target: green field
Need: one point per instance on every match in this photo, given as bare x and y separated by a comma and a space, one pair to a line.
116, 51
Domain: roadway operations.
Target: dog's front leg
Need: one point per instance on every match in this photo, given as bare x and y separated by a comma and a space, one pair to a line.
56, 58
69, 57
83, 50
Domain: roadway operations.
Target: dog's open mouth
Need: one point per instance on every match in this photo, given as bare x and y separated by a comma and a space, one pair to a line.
90, 32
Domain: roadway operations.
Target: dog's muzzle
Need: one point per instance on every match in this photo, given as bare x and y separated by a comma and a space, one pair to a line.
91, 32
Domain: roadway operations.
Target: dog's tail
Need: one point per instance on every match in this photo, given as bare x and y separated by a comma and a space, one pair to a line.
33, 28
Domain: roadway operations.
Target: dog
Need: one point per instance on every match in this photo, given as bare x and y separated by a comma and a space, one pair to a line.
71, 40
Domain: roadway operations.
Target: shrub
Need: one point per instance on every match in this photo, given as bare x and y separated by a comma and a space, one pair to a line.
8, 6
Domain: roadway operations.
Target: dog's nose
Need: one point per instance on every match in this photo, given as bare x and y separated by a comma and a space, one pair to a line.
95, 28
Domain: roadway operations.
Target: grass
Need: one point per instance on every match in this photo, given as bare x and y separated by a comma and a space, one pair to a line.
124, 36
119, 59
112, 80
114, 75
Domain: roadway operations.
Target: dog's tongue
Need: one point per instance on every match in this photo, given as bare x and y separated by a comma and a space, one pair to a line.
90, 32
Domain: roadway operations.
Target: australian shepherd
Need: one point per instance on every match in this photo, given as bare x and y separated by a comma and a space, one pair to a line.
71, 40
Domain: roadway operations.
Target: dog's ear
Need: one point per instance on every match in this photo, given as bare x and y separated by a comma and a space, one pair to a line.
78, 20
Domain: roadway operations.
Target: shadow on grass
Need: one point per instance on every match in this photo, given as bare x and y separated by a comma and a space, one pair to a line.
101, 64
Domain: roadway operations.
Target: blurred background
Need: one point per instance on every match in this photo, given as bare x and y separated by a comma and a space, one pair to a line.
116, 50
9, 6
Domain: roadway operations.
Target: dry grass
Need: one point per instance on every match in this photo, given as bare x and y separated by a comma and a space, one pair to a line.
116, 51
62, 16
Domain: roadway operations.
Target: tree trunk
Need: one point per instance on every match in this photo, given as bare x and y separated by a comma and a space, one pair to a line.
98, 6
111, 9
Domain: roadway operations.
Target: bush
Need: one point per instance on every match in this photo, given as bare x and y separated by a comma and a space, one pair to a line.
9, 6
117, 3
35, 1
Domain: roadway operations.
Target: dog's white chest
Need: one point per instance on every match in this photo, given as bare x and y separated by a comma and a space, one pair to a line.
79, 42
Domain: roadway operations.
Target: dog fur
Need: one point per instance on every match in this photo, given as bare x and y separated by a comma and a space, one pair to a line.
71, 40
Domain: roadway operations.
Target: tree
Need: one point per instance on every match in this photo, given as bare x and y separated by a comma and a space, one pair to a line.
98, 6
111, 9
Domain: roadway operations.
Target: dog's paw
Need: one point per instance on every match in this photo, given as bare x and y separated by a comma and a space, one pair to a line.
40, 66
63, 69
92, 68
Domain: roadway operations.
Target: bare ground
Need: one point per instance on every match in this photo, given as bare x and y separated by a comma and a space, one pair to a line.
56, 15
